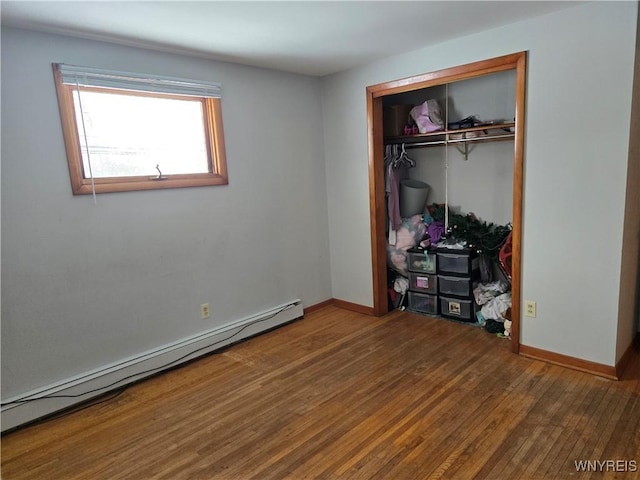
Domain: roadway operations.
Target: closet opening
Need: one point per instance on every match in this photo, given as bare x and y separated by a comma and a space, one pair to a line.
462, 166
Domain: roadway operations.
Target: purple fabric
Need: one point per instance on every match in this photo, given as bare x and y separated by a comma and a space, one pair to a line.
435, 231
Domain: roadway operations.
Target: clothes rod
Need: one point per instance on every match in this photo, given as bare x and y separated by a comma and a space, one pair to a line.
457, 140
422, 144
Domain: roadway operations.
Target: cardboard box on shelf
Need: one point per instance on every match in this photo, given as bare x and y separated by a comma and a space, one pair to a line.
395, 117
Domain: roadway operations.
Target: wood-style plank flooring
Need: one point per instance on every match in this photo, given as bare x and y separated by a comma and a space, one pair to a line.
340, 395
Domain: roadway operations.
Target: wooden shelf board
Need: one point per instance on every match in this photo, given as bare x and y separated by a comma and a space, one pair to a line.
441, 136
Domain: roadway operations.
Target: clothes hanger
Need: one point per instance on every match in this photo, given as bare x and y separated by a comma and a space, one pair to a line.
405, 160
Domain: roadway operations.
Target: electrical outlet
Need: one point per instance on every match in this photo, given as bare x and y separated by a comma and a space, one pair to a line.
205, 311
530, 308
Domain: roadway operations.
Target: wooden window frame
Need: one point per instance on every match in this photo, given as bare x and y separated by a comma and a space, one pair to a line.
81, 183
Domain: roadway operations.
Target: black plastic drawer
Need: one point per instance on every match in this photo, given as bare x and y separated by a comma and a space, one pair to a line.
462, 263
457, 308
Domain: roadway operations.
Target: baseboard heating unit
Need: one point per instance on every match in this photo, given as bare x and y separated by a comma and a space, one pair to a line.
43, 401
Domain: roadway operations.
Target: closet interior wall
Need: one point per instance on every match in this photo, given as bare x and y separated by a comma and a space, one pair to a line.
482, 183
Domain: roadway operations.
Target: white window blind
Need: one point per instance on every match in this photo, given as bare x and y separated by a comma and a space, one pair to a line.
95, 77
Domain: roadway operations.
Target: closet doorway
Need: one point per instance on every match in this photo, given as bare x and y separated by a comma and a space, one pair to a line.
516, 63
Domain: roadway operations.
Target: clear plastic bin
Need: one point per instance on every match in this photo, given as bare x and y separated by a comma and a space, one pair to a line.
421, 261
423, 303
423, 282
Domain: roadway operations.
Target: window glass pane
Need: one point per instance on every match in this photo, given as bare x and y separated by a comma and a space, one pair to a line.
128, 135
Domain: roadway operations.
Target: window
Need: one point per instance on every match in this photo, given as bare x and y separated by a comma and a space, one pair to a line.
127, 132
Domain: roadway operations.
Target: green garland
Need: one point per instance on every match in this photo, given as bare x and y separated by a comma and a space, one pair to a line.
486, 238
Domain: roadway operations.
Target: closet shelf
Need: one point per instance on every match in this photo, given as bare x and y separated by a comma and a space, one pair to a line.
484, 133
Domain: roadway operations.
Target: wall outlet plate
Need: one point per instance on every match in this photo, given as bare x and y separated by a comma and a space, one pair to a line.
530, 308
205, 311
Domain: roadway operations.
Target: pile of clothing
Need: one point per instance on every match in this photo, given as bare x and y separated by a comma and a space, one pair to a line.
495, 312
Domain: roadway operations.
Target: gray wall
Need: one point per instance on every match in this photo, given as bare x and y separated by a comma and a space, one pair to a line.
579, 86
629, 312
86, 285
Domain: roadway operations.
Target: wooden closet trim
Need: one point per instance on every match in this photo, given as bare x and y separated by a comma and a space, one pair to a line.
375, 94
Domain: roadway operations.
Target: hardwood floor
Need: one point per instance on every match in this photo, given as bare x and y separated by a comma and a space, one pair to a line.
341, 395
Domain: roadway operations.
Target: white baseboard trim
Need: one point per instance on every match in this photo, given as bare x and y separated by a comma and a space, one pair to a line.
113, 376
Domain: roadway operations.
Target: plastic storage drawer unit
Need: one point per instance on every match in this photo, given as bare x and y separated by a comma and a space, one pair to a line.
452, 262
457, 308
458, 286
423, 282
423, 303
421, 261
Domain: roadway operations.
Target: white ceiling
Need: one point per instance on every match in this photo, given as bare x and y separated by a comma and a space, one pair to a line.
308, 37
